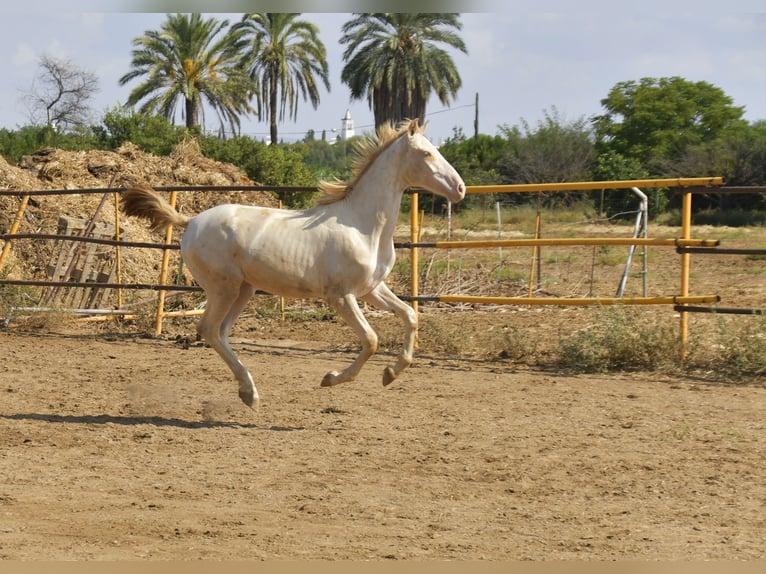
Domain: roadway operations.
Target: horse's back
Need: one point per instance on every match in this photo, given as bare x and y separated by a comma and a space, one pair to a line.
229, 223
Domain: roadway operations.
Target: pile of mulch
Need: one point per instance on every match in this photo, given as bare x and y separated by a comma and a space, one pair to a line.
56, 169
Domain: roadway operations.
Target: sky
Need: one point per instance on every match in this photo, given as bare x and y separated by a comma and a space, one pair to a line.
525, 59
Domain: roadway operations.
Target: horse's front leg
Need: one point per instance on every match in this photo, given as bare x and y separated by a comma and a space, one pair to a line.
348, 309
383, 298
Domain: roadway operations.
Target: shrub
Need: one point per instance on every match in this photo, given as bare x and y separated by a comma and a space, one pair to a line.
741, 349
621, 338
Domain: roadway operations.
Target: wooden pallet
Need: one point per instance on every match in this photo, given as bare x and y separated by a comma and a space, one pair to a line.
74, 261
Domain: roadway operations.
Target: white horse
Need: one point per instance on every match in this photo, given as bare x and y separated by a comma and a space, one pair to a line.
341, 250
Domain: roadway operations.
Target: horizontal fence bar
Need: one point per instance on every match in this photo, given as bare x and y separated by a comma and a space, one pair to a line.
721, 250
72, 311
89, 284
720, 310
564, 301
81, 239
559, 242
89, 190
593, 185
735, 189
185, 312
702, 182
679, 243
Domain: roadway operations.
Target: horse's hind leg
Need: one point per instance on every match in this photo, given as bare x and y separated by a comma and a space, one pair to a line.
245, 293
224, 304
383, 298
348, 309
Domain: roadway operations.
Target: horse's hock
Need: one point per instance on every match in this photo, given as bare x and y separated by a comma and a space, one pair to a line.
77, 262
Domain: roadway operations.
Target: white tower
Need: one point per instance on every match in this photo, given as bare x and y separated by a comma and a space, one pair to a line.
346, 126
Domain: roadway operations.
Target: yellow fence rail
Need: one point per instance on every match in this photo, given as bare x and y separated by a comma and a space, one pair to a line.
685, 245
680, 300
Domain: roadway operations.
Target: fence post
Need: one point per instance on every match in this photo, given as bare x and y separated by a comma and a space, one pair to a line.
118, 253
14, 228
686, 233
414, 233
164, 272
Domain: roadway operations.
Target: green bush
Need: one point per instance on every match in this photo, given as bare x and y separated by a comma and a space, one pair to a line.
741, 349
621, 338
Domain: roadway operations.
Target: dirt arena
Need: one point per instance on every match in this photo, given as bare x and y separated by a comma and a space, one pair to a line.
117, 446
121, 447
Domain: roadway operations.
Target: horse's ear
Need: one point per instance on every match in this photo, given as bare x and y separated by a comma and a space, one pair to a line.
413, 127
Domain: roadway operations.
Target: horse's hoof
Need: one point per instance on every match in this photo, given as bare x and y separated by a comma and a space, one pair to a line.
248, 397
330, 379
388, 376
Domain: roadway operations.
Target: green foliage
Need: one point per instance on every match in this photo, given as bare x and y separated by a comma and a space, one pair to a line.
555, 151
620, 338
510, 343
327, 159
730, 217
15, 144
152, 134
284, 58
509, 275
739, 156
611, 165
396, 61
741, 352
190, 60
28, 139
477, 158
659, 119
264, 164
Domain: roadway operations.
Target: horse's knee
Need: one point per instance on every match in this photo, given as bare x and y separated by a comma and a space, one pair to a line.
410, 318
370, 343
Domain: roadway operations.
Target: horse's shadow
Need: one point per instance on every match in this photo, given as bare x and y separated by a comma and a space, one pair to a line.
139, 420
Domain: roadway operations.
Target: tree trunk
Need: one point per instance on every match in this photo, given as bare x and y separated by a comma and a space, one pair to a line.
273, 109
191, 114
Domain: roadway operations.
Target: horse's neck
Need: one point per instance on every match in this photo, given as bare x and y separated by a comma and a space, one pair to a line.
375, 200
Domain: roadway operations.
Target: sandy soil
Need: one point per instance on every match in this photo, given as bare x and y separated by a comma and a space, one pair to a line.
116, 446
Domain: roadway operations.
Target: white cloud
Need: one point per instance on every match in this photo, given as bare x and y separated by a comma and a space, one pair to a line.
24, 56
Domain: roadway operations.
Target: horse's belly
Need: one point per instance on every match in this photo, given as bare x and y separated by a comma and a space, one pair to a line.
303, 271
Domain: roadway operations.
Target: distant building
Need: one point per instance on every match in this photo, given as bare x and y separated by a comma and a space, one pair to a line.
346, 126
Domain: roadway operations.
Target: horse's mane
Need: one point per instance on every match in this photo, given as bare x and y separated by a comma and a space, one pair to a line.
365, 152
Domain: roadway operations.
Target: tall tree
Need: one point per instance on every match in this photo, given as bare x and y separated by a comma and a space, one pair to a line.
286, 61
396, 62
191, 60
60, 94
659, 119
556, 150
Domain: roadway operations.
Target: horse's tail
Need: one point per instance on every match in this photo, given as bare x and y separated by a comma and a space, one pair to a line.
142, 201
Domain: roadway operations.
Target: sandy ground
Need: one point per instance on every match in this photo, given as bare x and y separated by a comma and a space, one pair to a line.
115, 446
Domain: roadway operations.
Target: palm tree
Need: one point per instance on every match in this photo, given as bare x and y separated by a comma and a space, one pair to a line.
286, 60
394, 60
194, 60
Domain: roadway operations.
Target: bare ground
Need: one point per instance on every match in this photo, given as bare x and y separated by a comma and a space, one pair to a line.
116, 446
